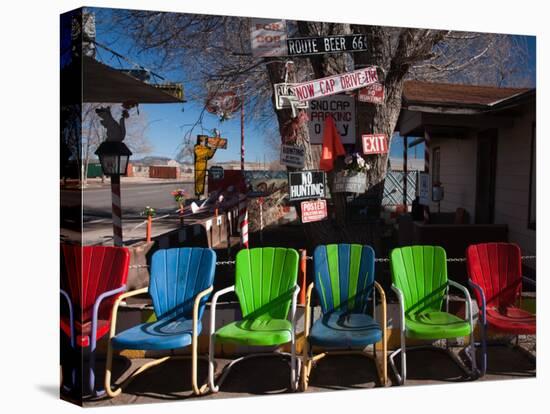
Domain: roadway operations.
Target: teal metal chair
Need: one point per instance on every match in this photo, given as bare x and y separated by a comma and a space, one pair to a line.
345, 285
181, 281
419, 276
265, 284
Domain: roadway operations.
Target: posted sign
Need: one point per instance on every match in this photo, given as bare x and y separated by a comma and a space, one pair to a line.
342, 110
374, 144
306, 184
332, 85
300, 46
313, 210
424, 184
268, 37
292, 156
372, 93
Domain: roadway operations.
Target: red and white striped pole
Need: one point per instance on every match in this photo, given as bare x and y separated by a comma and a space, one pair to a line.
116, 210
243, 223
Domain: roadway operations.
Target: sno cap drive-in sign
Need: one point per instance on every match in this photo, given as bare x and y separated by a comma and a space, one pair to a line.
332, 85
342, 110
292, 156
299, 46
374, 144
313, 210
268, 37
306, 184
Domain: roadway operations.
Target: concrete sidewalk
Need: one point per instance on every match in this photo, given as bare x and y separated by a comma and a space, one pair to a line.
270, 375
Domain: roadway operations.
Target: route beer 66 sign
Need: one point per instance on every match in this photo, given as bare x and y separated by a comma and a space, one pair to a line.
374, 144
332, 85
299, 46
313, 210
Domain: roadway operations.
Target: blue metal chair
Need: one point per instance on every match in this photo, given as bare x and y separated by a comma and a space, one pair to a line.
180, 283
344, 282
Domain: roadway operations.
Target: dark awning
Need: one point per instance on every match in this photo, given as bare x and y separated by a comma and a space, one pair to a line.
102, 83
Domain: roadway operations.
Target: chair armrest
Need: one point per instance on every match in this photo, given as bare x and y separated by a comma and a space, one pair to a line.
401, 300
117, 304
307, 319
213, 306
382, 301
95, 311
71, 317
483, 303
196, 305
466, 293
294, 304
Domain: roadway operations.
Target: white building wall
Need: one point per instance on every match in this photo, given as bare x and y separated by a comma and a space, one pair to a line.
458, 177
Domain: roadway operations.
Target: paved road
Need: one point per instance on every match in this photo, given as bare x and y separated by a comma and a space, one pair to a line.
97, 224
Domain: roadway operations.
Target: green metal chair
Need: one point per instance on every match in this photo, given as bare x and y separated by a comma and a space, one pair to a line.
265, 284
419, 276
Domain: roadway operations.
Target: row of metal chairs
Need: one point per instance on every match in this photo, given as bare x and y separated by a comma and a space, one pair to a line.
181, 281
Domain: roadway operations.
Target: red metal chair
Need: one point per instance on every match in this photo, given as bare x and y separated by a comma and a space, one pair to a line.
92, 277
495, 274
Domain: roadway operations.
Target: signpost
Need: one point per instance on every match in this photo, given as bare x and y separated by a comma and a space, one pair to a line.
284, 96
372, 94
313, 210
335, 84
374, 144
268, 37
304, 185
342, 110
302, 46
292, 156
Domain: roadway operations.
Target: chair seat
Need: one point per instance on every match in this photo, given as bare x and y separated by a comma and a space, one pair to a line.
83, 332
340, 329
160, 335
260, 332
435, 325
512, 319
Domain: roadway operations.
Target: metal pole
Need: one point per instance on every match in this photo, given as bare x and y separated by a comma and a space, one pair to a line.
405, 170
427, 140
116, 210
242, 132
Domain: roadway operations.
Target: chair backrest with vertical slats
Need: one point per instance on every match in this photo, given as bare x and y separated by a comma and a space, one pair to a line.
178, 275
264, 281
420, 272
496, 268
89, 271
344, 276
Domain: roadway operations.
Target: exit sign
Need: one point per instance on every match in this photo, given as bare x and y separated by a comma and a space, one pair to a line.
375, 144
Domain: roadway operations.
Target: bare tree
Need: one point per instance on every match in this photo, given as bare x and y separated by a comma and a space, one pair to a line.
217, 49
93, 133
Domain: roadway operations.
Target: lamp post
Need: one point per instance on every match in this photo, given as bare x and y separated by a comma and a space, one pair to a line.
114, 157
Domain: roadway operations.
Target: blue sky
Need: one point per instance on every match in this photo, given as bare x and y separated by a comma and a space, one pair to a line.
168, 123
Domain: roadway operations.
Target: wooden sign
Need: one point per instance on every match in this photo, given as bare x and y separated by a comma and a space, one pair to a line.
268, 37
313, 210
304, 185
292, 156
342, 110
375, 144
215, 142
332, 85
301, 46
372, 93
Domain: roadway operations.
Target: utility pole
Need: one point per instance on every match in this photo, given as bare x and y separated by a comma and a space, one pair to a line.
242, 132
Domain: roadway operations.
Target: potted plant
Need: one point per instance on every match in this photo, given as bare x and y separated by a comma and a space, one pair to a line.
352, 178
179, 196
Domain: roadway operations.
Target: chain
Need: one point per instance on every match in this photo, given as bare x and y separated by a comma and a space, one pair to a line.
456, 259
226, 262
533, 257
138, 266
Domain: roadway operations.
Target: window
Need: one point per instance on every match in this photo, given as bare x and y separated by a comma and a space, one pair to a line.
531, 223
436, 166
